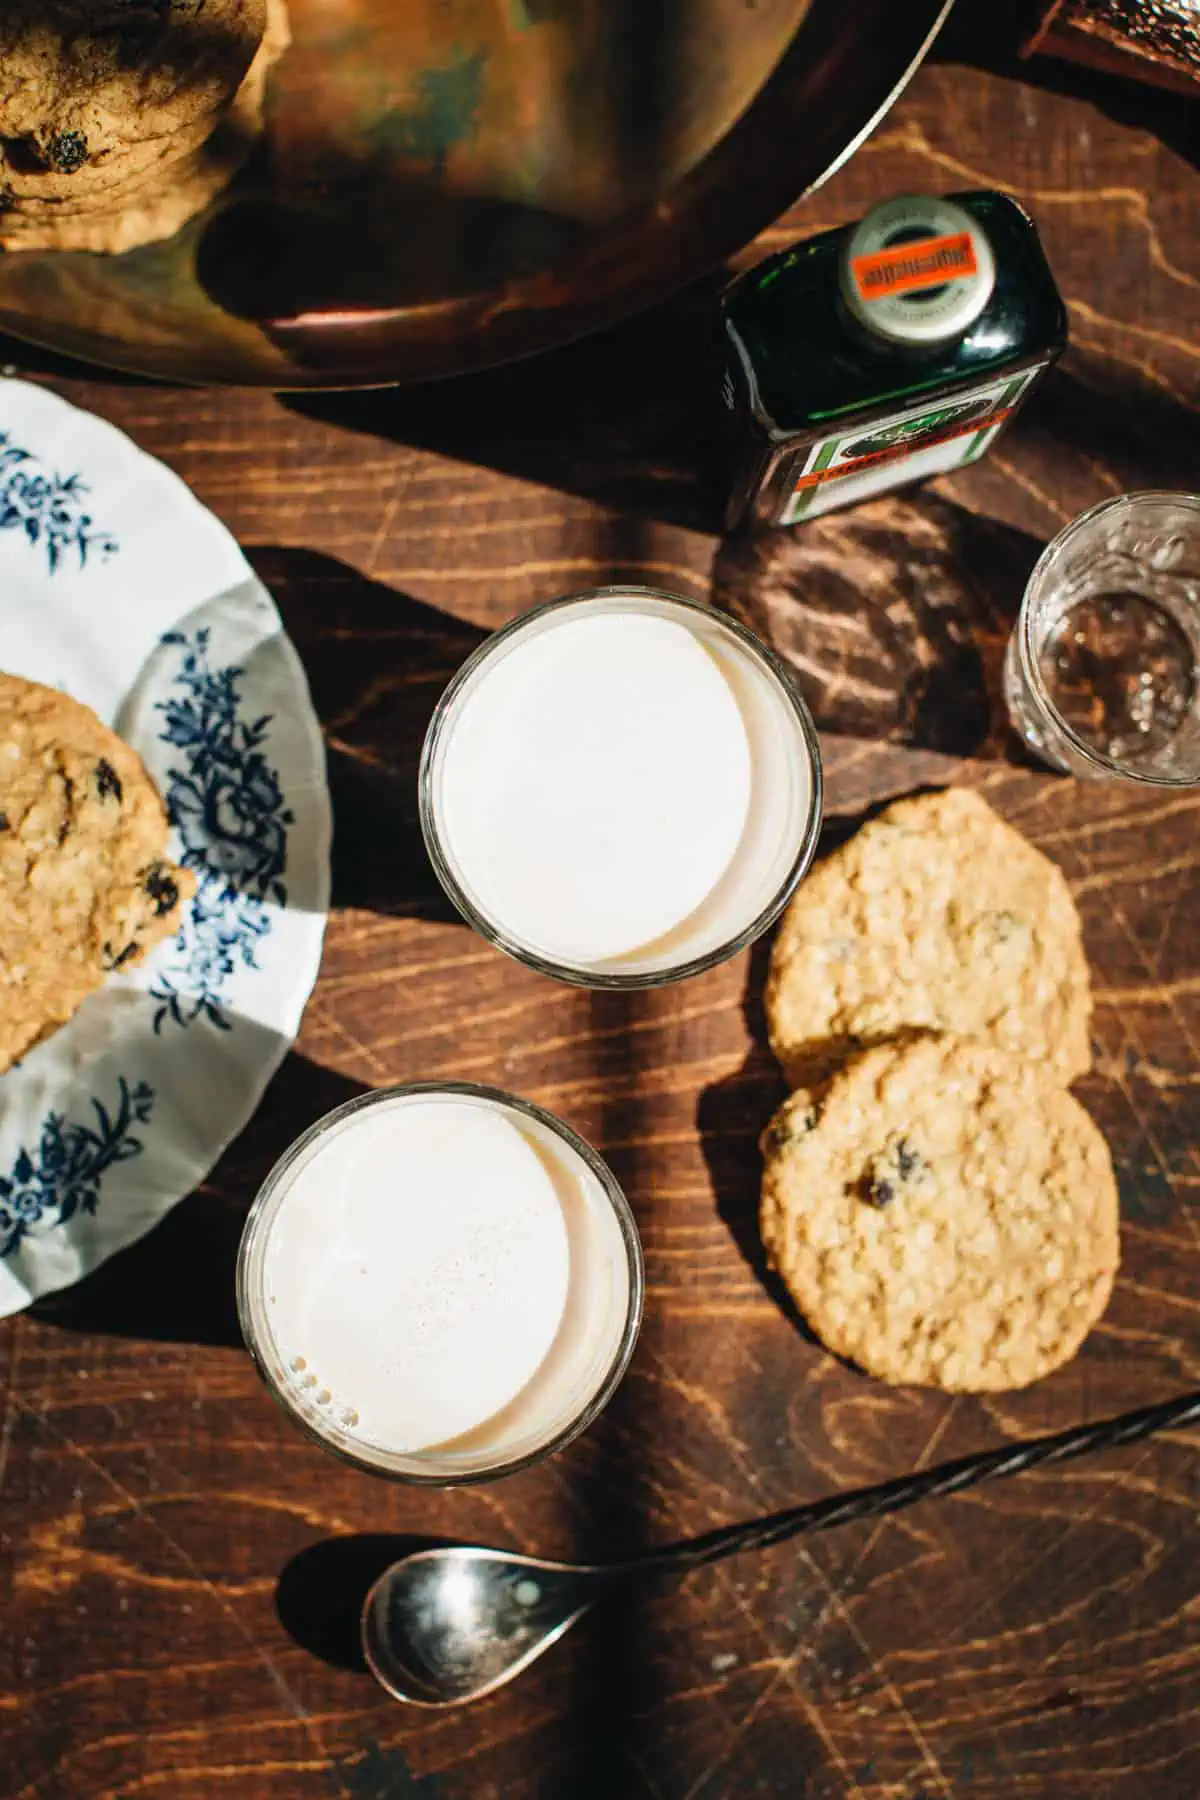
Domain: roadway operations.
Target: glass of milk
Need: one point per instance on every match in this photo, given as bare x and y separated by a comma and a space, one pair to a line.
621, 788
440, 1282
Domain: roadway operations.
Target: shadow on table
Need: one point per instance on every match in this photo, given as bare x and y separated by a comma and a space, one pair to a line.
320, 1593
377, 662
1141, 436
731, 1116
177, 1284
630, 418
893, 616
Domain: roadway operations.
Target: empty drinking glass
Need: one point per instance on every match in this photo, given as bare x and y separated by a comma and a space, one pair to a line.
1100, 676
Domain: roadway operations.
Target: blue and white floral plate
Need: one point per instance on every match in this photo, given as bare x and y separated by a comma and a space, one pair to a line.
117, 586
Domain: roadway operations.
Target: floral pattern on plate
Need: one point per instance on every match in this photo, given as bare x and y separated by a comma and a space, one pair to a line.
119, 587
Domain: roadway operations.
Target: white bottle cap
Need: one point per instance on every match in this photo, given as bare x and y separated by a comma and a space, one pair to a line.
917, 270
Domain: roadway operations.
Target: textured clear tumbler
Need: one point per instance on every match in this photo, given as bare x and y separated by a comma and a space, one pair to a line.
1100, 676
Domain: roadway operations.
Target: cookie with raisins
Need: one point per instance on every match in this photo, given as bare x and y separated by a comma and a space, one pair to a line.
935, 916
85, 884
943, 1215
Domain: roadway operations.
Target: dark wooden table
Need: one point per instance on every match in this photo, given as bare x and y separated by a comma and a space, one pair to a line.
185, 1568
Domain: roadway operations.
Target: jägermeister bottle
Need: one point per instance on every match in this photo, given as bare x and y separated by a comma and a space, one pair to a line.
884, 352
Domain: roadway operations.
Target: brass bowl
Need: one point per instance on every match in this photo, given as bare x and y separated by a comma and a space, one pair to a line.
445, 184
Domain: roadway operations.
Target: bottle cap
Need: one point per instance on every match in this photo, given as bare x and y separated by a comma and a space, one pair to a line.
917, 270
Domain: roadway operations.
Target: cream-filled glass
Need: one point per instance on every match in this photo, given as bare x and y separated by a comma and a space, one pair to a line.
621, 788
441, 1282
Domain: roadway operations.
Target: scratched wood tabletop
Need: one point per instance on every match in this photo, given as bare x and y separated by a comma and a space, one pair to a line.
183, 1569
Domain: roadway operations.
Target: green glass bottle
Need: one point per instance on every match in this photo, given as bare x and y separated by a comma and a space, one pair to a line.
883, 352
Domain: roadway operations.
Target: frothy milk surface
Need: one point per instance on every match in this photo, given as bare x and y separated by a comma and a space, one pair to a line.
596, 785
416, 1271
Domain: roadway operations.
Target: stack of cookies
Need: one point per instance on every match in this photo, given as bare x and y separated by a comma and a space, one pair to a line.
120, 119
941, 1209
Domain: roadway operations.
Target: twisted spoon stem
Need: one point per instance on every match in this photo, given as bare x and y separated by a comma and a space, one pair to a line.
905, 1490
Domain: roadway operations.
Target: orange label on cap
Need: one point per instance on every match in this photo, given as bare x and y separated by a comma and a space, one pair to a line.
925, 263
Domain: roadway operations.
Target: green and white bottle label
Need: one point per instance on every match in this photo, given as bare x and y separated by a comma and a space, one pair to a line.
902, 447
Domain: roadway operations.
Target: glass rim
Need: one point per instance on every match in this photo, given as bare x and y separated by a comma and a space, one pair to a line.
256, 1335
1030, 667
577, 975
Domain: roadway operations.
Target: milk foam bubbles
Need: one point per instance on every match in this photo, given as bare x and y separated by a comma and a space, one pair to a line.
440, 1281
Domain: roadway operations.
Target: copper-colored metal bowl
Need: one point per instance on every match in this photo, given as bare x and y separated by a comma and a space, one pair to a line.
444, 184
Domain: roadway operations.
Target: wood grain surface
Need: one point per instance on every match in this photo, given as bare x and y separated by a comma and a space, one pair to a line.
183, 1569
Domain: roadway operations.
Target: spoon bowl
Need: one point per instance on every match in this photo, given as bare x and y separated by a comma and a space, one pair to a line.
441, 1627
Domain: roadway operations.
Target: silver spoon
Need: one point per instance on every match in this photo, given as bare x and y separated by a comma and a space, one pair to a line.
441, 1627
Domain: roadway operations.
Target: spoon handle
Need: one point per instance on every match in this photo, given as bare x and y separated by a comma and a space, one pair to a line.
945, 1478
